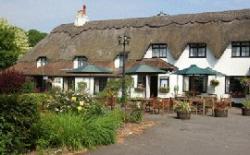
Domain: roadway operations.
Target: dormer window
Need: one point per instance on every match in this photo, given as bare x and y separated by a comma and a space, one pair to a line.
80, 61
159, 50
241, 49
41, 61
197, 50
119, 60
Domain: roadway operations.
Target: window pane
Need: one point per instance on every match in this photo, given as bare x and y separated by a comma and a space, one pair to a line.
245, 51
202, 52
164, 83
193, 52
236, 51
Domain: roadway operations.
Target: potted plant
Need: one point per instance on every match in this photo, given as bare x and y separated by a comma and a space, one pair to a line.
221, 109
183, 110
246, 108
214, 83
164, 90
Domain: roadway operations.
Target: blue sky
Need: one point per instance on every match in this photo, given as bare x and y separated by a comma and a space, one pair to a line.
44, 15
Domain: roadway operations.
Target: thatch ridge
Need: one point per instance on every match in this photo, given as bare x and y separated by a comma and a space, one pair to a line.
97, 40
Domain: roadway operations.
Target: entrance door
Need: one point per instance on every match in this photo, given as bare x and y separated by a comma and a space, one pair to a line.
198, 84
153, 86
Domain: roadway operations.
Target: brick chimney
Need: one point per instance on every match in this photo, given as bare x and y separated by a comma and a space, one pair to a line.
84, 10
81, 17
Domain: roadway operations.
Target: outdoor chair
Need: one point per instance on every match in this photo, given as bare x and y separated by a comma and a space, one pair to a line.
111, 102
227, 101
166, 104
156, 106
209, 104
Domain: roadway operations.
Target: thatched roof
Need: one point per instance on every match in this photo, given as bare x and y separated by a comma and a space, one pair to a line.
98, 40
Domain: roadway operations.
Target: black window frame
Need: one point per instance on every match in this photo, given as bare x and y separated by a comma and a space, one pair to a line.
120, 57
197, 47
141, 80
164, 79
81, 61
43, 60
240, 45
102, 82
159, 47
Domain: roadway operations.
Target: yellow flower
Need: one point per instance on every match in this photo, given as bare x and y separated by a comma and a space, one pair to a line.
73, 98
81, 103
79, 108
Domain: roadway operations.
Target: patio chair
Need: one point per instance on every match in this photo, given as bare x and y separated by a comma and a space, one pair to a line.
209, 104
156, 106
111, 102
166, 104
227, 101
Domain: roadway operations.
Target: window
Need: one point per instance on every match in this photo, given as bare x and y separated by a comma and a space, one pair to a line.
159, 50
164, 82
141, 81
240, 49
235, 88
120, 57
42, 61
81, 61
197, 50
100, 84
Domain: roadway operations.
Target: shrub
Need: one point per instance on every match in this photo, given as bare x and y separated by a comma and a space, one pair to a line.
28, 87
246, 104
18, 114
73, 131
136, 116
11, 81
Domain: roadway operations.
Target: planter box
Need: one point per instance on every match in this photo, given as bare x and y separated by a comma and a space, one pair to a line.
245, 112
183, 115
220, 113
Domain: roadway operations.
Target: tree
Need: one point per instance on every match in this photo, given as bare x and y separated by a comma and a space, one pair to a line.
13, 43
35, 36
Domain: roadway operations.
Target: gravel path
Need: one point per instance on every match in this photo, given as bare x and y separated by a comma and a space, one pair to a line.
202, 135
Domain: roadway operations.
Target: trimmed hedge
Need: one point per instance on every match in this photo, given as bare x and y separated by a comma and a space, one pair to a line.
17, 116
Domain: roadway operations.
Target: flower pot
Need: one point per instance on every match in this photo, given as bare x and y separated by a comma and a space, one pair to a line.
245, 112
220, 112
183, 115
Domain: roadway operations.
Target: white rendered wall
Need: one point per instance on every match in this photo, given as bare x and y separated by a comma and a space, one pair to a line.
75, 63
117, 62
232, 66
225, 64
89, 81
58, 82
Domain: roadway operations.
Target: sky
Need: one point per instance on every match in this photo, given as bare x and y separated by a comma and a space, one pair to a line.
44, 15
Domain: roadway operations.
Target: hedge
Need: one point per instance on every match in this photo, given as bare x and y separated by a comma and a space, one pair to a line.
18, 114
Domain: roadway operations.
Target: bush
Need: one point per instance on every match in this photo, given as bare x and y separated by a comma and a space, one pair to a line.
11, 81
18, 114
28, 87
74, 131
136, 116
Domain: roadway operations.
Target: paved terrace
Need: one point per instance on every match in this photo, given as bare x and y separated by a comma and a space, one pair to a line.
202, 135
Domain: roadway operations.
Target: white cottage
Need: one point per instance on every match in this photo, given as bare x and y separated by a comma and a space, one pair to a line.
218, 40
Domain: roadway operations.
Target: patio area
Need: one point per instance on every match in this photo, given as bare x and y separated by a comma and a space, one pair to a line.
202, 135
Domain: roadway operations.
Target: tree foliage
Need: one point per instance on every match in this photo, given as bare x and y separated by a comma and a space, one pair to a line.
35, 36
13, 43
